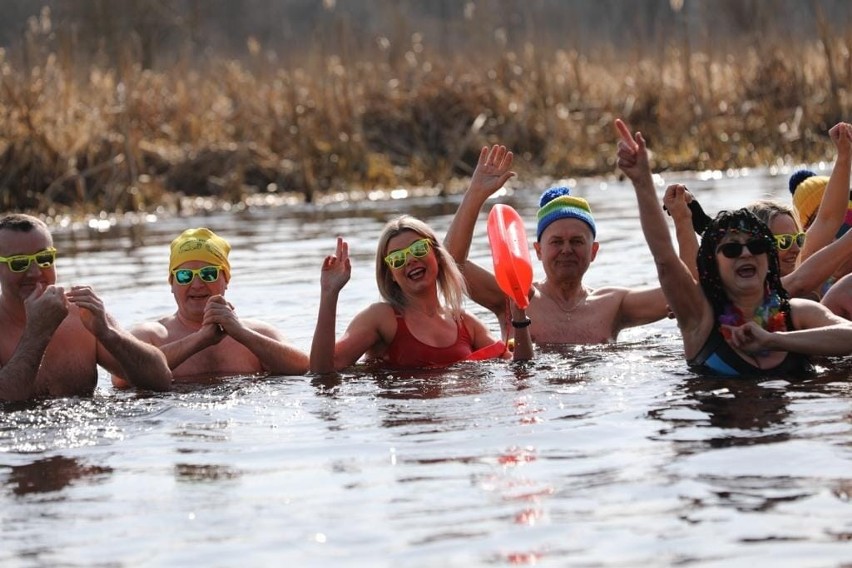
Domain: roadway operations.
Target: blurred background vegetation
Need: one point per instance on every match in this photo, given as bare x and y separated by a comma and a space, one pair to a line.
134, 105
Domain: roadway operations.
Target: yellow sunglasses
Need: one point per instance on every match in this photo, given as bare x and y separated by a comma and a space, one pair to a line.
399, 258
21, 262
184, 276
785, 241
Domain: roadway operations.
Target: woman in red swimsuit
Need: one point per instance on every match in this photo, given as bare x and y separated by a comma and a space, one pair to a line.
412, 327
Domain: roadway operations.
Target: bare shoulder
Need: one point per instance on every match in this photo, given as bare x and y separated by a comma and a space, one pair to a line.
263, 328
808, 314
607, 291
378, 310
154, 332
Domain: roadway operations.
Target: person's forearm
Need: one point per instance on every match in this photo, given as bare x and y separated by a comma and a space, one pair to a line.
834, 340
18, 375
276, 356
323, 344
177, 352
652, 220
460, 234
818, 267
144, 365
836, 198
687, 243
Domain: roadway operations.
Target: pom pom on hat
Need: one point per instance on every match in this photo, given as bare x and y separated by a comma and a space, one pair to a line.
798, 177
558, 203
807, 189
200, 244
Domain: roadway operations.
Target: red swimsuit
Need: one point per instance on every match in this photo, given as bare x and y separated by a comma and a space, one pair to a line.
408, 352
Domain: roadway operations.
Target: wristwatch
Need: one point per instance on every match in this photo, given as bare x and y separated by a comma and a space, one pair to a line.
521, 324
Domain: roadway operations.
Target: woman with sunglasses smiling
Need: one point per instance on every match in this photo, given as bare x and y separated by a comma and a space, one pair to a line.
809, 236
412, 327
737, 319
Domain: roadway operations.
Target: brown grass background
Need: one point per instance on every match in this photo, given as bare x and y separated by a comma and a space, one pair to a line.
135, 105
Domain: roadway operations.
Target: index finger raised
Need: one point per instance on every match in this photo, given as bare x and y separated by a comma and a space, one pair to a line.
624, 132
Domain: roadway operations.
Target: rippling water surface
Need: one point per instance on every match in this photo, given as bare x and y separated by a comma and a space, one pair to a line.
614, 455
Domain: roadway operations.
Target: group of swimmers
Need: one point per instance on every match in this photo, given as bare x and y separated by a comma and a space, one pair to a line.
741, 306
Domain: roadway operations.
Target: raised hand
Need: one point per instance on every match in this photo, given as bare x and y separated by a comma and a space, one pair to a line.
749, 337
632, 153
219, 319
46, 308
841, 135
336, 268
676, 201
92, 312
492, 170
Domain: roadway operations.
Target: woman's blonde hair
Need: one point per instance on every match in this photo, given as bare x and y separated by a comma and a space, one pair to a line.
767, 210
450, 280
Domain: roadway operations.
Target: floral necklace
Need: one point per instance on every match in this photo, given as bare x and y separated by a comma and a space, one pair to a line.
768, 315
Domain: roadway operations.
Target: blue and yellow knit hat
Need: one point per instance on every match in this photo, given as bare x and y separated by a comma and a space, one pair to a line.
558, 203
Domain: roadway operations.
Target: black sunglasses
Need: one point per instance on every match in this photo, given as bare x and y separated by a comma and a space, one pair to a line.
754, 246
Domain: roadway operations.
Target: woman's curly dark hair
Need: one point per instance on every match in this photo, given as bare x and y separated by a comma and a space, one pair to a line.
708, 269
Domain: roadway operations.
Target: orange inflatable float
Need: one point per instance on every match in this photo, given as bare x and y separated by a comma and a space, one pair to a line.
511, 253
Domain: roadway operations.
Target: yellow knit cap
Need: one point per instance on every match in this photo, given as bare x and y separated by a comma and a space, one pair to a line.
200, 244
807, 197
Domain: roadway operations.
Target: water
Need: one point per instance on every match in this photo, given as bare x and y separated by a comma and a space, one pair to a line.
613, 455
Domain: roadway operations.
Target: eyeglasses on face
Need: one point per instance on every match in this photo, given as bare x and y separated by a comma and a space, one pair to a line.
754, 246
184, 276
21, 262
399, 258
784, 241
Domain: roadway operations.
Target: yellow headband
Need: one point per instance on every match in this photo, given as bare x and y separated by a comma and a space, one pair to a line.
200, 244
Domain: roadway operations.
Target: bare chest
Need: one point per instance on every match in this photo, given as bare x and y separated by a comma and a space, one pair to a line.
69, 365
228, 357
592, 323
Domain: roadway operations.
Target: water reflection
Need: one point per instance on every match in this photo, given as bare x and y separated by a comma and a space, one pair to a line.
52, 474
742, 405
203, 473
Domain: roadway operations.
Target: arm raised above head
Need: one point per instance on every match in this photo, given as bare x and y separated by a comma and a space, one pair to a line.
835, 201
683, 294
492, 172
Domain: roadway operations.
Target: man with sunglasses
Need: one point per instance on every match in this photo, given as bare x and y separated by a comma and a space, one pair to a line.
562, 308
205, 338
53, 339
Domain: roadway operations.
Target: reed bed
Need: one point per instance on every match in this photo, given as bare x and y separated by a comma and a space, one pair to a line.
120, 138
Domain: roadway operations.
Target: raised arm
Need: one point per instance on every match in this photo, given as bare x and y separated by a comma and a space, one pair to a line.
814, 271
327, 354
835, 200
46, 307
677, 200
682, 292
119, 352
492, 172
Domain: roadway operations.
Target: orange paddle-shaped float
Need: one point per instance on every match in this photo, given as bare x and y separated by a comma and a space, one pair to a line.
511, 253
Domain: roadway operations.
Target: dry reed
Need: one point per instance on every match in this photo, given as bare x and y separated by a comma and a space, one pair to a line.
123, 138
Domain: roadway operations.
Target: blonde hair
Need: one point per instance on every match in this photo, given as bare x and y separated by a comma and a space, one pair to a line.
450, 280
767, 210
